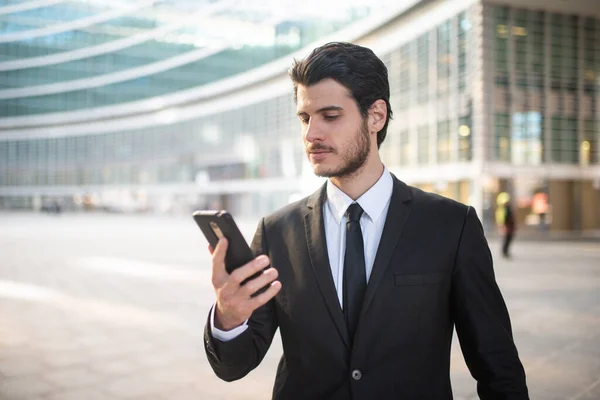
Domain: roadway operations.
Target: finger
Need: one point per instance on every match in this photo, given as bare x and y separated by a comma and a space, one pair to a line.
249, 269
264, 279
218, 258
210, 249
267, 295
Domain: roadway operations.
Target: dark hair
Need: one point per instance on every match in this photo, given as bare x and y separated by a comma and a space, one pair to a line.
355, 67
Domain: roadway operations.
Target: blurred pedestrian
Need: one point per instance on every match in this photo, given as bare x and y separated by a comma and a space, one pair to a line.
505, 219
539, 206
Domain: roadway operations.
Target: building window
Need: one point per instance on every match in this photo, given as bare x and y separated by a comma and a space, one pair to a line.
564, 140
444, 58
536, 49
501, 45
423, 144
464, 139
591, 54
526, 138
405, 158
464, 26
556, 50
564, 52
590, 146
502, 137
571, 53
520, 35
444, 145
423, 68
405, 63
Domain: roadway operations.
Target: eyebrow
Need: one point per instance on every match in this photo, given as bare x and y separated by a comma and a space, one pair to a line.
323, 109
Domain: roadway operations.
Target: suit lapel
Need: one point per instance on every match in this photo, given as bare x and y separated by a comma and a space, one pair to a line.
397, 215
314, 225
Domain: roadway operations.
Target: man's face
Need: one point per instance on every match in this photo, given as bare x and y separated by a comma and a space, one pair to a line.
336, 138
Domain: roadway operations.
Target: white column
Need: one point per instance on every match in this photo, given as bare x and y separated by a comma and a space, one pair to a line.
481, 86
433, 101
453, 90
432, 104
413, 117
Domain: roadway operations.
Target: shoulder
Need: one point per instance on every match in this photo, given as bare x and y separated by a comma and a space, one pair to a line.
431, 207
436, 202
437, 219
292, 213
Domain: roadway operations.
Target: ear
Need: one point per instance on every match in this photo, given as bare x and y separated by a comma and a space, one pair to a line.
377, 116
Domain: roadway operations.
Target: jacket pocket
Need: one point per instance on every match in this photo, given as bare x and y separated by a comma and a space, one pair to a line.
418, 279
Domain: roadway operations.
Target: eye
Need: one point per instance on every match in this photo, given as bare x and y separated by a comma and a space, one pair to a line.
331, 117
304, 119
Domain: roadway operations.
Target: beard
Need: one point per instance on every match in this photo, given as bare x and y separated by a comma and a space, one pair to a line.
353, 157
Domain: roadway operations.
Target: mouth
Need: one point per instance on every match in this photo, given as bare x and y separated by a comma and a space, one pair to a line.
318, 155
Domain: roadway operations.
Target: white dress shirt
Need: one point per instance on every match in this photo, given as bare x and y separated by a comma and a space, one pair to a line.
375, 203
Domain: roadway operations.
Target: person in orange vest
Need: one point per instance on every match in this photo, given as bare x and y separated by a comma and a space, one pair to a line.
539, 206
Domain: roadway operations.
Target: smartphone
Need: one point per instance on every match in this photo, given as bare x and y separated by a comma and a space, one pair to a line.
217, 224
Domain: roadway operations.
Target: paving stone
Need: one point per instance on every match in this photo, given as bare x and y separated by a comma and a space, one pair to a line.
152, 397
92, 341
137, 385
19, 366
111, 350
71, 377
91, 319
151, 360
591, 392
66, 359
114, 367
24, 387
176, 375
87, 393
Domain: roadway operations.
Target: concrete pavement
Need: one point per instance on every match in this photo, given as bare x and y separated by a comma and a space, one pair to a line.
104, 307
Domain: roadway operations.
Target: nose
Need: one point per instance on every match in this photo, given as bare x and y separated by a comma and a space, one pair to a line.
313, 132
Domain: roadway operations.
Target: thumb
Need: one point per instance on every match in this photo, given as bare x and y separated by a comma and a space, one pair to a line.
218, 260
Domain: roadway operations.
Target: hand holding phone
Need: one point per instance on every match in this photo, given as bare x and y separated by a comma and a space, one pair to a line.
218, 224
242, 283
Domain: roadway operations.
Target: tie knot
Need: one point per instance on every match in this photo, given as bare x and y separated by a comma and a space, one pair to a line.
354, 212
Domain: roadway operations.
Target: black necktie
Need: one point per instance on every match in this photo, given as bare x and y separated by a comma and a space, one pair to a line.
355, 276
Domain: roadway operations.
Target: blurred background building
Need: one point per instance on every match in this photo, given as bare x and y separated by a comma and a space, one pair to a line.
166, 106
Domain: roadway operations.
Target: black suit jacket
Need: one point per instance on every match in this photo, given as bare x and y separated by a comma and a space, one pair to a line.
433, 271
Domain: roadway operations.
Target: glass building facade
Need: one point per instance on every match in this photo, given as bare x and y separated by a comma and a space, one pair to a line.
487, 97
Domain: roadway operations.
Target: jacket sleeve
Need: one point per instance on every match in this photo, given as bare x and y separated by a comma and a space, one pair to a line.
482, 320
234, 359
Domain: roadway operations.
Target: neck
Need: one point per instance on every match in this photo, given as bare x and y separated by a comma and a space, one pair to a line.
357, 184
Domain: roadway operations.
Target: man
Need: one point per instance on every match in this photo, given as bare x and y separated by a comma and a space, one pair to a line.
508, 228
505, 220
368, 276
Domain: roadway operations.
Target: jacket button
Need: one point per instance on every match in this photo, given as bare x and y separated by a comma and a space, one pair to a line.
356, 374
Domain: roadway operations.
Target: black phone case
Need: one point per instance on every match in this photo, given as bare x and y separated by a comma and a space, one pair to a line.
238, 251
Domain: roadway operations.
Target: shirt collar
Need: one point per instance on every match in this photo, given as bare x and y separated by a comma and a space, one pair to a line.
373, 201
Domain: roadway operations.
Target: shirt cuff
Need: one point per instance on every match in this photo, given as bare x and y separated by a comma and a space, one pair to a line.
225, 336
